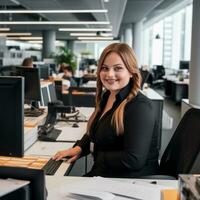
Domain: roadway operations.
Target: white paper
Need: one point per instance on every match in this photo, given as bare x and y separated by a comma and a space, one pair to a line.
90, 194
118, 188
10, 185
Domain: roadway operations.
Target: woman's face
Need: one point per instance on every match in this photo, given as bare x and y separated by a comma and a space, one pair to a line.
113, 73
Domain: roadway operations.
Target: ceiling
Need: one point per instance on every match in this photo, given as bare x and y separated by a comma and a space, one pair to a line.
119, 12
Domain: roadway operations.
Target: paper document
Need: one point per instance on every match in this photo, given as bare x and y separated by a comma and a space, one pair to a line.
10, 185
115, 187
90, 194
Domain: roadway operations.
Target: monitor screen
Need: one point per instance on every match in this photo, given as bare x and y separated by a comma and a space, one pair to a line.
12, 116
184, 64
32, 83
44, 71
35, 176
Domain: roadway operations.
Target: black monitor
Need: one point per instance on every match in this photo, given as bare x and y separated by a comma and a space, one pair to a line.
44, 71
12, 116
36, 188
183, 64
32, 83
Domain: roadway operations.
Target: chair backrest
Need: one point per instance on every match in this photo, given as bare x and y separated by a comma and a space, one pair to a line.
159, 71
184, 147
144, 74
82, 96
52, 92
8, 71
58, 88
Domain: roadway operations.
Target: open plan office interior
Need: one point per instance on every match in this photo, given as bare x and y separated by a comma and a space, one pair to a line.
43, 112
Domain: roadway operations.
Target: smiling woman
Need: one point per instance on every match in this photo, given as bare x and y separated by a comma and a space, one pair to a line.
120, 143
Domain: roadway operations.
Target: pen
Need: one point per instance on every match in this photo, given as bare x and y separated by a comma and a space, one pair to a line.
128, 197
153, 182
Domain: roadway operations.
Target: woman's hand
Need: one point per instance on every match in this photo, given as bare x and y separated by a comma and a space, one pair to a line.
72, 153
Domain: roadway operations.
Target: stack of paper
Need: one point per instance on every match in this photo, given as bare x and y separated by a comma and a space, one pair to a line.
30, 136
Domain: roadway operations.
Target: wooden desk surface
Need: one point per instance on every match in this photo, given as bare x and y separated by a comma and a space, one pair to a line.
34, 162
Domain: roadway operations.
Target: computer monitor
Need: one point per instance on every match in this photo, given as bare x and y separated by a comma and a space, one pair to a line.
36, 187
12, 116
32, 83
44, 71
183, 64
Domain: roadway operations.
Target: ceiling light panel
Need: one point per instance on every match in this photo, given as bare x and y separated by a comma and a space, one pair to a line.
85, 29
53, 22
15, 34
95, 38
83, 34
4, 29
53, 11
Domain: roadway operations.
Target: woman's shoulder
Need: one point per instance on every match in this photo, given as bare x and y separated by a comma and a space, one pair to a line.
141, 97
140, 100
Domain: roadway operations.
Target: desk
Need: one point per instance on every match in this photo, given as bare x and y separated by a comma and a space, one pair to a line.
69, 133
56, 185
47, 150
175, 88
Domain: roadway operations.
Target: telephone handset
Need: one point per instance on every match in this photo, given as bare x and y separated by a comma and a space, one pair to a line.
46, 129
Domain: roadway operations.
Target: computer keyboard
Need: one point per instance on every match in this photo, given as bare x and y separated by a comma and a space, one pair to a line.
51, 166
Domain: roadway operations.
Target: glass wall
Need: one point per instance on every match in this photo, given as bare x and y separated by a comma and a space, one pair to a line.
168, 41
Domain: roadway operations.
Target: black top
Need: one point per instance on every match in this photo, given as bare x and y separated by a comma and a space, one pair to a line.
133, 154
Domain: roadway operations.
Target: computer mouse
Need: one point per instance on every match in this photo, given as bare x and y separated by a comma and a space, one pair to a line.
75, 125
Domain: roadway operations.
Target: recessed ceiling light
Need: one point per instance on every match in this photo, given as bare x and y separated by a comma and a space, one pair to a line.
54, 11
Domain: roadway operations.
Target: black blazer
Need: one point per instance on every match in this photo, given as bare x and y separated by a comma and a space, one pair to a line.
133, 154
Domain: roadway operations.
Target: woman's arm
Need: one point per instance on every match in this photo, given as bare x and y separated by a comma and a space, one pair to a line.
81, 148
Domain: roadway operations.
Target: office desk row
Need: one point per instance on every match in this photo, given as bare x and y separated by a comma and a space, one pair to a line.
45, 150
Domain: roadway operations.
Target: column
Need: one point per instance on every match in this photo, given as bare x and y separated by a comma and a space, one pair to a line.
70, 45
49, 39
128, 34
194, 91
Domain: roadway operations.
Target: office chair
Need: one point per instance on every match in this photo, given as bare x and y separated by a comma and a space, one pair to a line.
158, 73
58, 87
182, 155
82, 96
145, 75
8, 71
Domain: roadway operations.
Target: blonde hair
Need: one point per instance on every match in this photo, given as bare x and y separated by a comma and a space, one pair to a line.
129, 59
